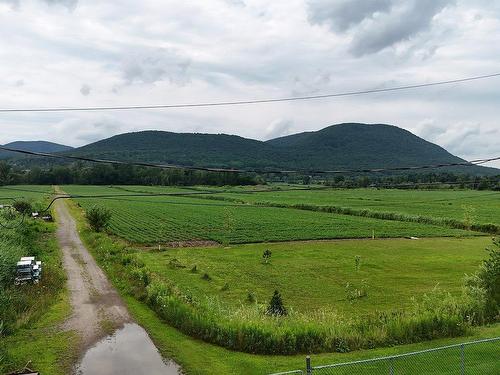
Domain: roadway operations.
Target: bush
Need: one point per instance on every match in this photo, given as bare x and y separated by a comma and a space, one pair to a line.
23, 207
98, 218
485, 284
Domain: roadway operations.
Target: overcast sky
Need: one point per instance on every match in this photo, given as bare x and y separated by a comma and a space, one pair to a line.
129, 52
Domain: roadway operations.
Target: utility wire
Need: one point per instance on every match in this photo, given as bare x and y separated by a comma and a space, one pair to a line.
261, 171
243, 102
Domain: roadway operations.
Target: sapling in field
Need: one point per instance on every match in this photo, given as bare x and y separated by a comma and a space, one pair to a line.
357, 262
276, 306
266, 256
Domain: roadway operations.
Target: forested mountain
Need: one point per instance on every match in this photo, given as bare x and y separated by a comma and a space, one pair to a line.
342, 146
36, 146
350, 145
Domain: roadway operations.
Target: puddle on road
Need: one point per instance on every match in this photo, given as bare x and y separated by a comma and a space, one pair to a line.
129, 351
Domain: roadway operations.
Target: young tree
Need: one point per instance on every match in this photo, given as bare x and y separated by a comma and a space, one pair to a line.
98, 217
266, 256
276, 306
489, 274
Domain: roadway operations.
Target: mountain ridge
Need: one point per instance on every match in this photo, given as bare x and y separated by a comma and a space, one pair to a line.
34, 146
340, 146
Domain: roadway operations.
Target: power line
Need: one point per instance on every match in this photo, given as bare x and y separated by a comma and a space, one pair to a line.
244, 102
256, 170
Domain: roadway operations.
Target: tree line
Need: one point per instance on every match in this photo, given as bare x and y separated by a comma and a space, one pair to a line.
102, 174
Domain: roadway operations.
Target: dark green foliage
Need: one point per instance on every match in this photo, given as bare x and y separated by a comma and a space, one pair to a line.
489, 275
98, 217
225, 287
22, 206
194, 269
276, 306
266, 256
206, 277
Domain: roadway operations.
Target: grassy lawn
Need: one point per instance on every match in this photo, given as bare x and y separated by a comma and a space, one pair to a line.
152, 219
313, 275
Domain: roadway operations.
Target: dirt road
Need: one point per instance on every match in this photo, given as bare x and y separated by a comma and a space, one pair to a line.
96, 305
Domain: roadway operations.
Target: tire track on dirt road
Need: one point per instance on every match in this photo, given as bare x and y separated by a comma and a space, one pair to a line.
95, 302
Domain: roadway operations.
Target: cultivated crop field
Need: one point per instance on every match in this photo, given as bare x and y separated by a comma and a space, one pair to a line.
149, 220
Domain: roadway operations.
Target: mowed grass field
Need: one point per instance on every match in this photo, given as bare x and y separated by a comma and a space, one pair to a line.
152, 219
33, 193
313, 275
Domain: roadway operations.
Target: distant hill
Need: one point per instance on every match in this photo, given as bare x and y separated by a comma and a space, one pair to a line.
361, 146
350, 145
343, 146
35, 146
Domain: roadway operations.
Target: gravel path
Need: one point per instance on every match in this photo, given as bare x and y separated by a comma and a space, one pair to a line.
97, 307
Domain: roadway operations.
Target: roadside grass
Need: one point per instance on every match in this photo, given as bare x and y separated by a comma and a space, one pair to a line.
199, 358
50, 349
153, 220
32, 314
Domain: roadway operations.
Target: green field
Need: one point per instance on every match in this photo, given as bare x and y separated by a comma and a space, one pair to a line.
149, 220
312, 275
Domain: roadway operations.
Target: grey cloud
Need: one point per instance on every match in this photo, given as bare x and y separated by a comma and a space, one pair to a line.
85, 89
150, 66
80, 131
279, 128
403, 22
341, 15
70, 4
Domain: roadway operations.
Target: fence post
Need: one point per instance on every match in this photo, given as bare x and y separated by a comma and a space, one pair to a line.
391, 366
308, 365
462, 359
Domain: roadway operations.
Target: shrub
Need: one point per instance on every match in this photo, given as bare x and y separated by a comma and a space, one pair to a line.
485, 283
98, 218
22, 206
276, 306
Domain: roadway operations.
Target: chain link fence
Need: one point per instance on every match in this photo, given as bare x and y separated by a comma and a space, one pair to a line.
481, 357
